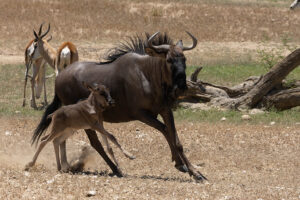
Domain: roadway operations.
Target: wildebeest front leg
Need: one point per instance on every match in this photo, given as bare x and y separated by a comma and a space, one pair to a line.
168, 118
155, 123
99, 148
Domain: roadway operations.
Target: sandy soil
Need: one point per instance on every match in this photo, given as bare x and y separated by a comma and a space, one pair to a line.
240, 161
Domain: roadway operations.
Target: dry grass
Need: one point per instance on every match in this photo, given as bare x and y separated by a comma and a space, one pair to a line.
109, 21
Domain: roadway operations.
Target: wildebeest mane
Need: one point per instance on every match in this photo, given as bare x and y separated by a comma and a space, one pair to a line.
135, 44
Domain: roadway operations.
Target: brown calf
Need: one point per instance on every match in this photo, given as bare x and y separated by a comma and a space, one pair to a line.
86, 114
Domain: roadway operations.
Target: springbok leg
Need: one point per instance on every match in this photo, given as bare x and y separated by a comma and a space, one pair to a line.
99, 148
44, 82
25, 83
169, 121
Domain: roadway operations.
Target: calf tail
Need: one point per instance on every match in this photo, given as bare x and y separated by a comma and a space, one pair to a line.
45, 121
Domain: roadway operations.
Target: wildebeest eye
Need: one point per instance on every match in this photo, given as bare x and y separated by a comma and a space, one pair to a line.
170, 60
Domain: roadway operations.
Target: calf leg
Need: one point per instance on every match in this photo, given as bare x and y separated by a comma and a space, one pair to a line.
99, 148
63, 156
112, 138
109, 149
40, 148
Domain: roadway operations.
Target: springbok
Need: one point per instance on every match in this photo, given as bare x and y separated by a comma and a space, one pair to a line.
295, 4
38, 80
86, 114
66, 54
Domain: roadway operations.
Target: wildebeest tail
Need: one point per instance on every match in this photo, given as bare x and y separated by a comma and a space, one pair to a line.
45, 121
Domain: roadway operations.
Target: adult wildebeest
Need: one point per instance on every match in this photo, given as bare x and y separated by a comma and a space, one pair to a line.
295, 4
144, 79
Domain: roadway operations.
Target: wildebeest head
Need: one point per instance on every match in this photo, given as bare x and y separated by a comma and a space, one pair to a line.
295, 4
101, 95
175, 59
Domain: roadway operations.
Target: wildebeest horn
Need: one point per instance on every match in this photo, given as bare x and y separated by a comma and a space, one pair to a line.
160, 48
194, 42
46, 31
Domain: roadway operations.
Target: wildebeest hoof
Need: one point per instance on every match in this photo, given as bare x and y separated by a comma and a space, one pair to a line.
182, 168
118, 173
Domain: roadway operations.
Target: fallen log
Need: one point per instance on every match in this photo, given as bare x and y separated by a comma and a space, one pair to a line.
264, 90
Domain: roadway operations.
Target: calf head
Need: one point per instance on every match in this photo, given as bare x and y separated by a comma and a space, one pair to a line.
101, 95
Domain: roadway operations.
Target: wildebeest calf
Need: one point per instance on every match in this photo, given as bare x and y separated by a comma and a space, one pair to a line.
86, 114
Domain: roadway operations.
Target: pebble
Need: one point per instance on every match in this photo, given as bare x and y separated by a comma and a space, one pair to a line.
91, 193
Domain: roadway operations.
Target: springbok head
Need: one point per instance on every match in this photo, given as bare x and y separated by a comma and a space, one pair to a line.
175, 59
39, 41
295, 4
100, 94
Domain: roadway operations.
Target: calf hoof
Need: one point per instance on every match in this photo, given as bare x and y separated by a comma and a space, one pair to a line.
199, 177
182, 168
28, 166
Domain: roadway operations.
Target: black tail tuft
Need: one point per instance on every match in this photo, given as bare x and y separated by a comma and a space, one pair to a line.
45, 121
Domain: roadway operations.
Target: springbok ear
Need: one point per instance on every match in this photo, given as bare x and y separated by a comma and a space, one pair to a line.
153, 53
49, 39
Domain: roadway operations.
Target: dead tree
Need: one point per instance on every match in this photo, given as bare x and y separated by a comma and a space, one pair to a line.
255, 91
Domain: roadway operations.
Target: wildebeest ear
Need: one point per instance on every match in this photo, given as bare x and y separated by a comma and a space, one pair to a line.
180, 44
152, 52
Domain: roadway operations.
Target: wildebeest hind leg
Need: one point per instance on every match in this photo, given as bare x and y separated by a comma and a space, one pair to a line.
99, 148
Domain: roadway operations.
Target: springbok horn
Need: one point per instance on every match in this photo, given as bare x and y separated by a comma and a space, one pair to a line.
46, 31
35, 35
160, 48
194, 42
41, 27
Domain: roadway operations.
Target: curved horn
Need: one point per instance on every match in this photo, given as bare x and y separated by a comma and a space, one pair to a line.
194, 42
46, 31
35, 35
41, 27
160, 48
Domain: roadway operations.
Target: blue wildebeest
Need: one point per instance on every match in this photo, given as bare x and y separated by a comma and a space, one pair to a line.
144, 77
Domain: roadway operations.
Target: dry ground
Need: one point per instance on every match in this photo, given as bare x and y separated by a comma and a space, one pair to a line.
240, 161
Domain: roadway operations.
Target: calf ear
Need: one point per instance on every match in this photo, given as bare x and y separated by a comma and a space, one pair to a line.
87, 86
153, 53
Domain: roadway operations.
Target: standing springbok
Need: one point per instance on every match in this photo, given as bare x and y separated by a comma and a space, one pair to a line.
66, 54
86, 114
295, 4
38, 74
